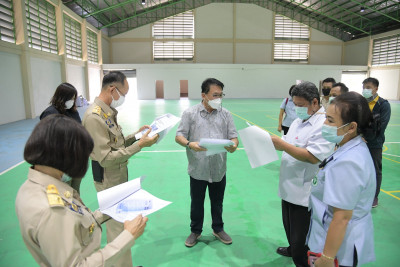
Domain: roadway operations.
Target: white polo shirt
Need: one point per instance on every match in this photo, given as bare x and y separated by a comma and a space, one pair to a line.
295, 175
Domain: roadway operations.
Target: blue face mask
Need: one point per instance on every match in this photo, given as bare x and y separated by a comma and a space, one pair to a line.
367, 93
66, 178
330, 133
331, 98
302, 113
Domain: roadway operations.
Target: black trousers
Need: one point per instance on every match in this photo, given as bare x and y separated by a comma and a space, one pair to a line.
376, 154
296, 220
285, 129
197, 193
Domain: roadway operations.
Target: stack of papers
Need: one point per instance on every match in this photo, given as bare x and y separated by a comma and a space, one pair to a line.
128, 200
161, 126
215, 146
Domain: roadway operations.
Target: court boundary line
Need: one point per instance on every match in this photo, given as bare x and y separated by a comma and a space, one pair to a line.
388, 192
12, 167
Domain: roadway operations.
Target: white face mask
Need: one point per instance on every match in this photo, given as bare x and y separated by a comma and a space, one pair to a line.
119, 102
69, 104
215, 103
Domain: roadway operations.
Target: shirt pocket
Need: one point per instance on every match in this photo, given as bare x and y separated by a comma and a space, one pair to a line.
116, 139
86, 230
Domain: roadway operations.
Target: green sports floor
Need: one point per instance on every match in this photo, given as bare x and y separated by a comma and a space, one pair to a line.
252, 212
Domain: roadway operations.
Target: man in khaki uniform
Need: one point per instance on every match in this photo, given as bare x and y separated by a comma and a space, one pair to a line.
111, 149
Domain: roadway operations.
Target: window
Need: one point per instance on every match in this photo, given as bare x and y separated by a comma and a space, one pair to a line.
92, 46
180, 27
73, 38
386, 51
41, 25
7, 30
288, 29
288, 52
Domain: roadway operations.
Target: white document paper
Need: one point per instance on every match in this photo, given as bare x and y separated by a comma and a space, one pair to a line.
258, 146
126, 201
215, 146
161, 126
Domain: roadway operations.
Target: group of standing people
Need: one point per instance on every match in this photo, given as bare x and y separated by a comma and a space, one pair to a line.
330, 177
319, 202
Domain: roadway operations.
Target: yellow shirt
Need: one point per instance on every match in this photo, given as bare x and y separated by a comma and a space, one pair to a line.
373, 102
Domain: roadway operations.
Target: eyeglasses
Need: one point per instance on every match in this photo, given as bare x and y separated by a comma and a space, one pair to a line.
119, 91
218, 96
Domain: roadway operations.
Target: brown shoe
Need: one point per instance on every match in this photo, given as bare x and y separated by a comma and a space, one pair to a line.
192, 239
223, 237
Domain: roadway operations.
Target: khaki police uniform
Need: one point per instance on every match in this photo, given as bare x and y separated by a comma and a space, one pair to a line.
109, 157
59, 230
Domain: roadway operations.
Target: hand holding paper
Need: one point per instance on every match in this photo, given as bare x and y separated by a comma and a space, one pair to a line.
215, 146
161, 126
126, 201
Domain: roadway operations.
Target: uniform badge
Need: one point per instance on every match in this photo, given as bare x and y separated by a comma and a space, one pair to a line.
96, 110
109, 123
67, 194
54, 197
315, 180
115, 139
75, 208
91, 229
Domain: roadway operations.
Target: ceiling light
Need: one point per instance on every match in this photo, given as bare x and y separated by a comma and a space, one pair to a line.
362, 9
143, 2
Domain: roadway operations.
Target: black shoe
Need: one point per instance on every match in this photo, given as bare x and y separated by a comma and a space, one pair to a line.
375, 203
284, 251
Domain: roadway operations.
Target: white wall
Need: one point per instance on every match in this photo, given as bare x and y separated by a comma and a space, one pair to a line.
12, 105
356, 52
241, 80
76, 76
389, 81
226, 33
105, 50
46, 76
94, 83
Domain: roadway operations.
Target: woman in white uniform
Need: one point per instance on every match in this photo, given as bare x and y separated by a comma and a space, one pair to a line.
343, 191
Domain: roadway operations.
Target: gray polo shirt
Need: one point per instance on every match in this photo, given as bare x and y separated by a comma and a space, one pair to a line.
198, 123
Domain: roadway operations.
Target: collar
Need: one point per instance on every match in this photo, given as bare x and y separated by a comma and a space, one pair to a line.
350, 144
43, 179
106, 108
313, 119
373, 99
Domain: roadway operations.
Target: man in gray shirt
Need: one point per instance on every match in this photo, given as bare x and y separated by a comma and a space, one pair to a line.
207, 120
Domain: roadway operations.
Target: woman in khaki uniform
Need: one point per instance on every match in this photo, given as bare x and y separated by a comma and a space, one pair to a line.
57, 228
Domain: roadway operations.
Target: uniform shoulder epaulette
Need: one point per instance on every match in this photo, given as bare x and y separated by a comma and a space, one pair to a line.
96, 110
53, 196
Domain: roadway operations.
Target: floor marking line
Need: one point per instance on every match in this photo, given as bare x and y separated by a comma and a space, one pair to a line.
254, 124
385, 148
390, 159
397, 191
271, 117
391, 155
387, 192
392, 142
12, 167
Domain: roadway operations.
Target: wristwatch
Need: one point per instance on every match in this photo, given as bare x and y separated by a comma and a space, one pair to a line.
187, 145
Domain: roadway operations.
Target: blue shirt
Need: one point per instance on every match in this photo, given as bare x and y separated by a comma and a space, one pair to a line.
290, 112
346, 182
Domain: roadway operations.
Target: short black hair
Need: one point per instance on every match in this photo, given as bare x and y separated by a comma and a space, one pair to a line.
374, 81
113, 77
291, 89
343, 87
306, 90
60, 142
63, 93
329, 80
354, 107
205, 86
